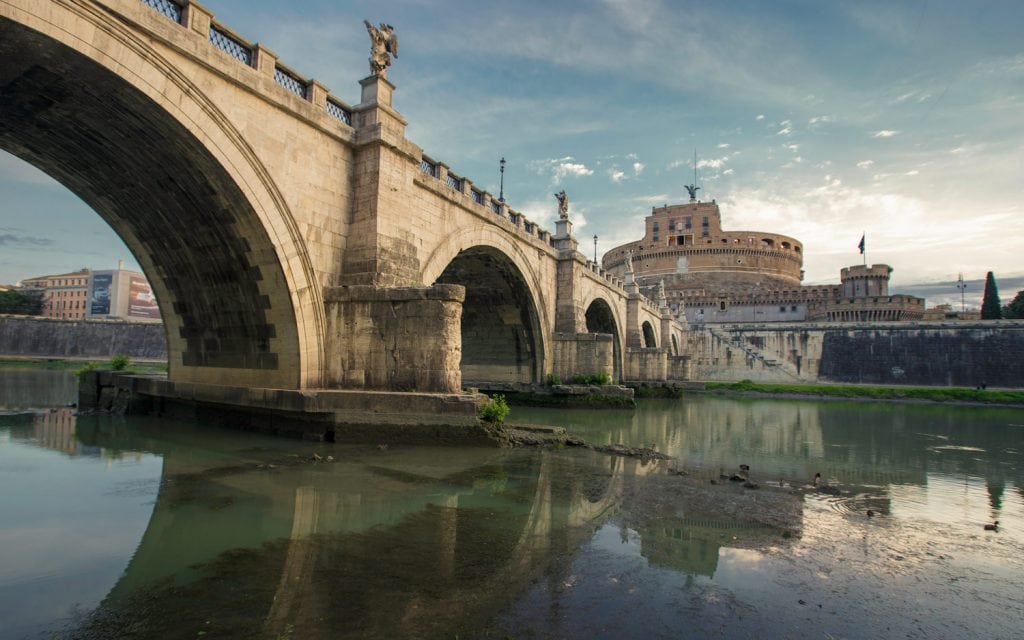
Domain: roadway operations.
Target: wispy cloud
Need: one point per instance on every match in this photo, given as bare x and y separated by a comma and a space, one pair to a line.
561, 168
884, 133
16, 239
864, 164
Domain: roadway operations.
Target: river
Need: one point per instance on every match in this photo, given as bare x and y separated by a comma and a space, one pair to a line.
149, 528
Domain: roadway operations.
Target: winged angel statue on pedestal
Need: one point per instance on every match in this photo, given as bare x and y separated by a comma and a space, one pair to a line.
383, 45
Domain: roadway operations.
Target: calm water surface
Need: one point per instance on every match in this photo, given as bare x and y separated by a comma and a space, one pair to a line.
146, 528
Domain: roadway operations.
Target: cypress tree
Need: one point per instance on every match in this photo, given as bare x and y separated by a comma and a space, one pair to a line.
990, 308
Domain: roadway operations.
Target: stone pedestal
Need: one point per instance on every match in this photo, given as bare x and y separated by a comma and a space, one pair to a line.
402, 339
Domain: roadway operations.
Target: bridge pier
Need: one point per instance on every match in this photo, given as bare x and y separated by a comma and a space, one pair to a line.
401, 339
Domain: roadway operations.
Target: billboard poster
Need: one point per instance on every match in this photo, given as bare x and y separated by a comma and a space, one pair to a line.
141, 303
99, 302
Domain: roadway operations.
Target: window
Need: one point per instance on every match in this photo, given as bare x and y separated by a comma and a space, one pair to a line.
705, 223
721, 305
689, 223
782, 309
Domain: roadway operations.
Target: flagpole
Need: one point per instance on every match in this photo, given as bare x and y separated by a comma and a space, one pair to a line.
863, 237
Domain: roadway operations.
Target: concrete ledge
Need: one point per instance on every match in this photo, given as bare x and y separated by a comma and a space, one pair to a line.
311, 413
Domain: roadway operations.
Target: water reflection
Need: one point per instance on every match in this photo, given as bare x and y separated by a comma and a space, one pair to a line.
152, 528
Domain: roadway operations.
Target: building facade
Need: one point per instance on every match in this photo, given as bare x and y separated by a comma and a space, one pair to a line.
86, 295
712, 275
64, 295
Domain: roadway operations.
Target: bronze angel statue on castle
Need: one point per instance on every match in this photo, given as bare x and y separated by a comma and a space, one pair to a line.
383, 45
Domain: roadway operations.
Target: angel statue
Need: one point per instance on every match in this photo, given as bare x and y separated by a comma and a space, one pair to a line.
563, 205
383, 45
692, 189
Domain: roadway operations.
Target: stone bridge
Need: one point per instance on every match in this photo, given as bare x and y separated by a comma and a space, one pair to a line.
295, 241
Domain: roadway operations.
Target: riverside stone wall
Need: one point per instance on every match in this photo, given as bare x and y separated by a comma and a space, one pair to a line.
928, 354
46, 338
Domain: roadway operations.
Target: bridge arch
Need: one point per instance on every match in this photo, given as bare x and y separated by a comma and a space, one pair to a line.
502, 330
600, 318
650, 340
86, 97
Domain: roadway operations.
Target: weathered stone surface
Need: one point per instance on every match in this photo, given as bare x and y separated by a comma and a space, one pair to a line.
20, 336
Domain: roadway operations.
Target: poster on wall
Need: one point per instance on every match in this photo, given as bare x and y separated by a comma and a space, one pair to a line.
141, 303
99, 302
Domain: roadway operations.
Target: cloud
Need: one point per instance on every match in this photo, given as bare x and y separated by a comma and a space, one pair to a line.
724, 145
784, 131
760, 116
728, 172
820, 120
638, 168
912, 172
616, 174
19, 240
792, 147
884, 133
712, 163
864, 164
561, 168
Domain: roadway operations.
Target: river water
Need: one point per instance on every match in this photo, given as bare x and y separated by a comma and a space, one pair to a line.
149, 528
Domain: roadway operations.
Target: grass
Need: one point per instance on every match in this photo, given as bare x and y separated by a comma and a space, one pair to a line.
75, 365
934, 394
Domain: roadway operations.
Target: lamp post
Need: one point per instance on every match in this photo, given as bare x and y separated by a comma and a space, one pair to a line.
961, 286
595, 248
501, 189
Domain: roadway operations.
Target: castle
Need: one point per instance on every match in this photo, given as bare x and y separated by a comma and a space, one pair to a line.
716, 276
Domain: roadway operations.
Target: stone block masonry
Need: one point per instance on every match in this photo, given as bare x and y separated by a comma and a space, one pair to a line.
45, 338
403, 339
958, 354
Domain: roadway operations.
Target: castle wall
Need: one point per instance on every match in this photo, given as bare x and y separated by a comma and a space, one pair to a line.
928, 354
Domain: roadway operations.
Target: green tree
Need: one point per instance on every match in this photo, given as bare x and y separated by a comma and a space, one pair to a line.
28, 303
990, 308
1016, 307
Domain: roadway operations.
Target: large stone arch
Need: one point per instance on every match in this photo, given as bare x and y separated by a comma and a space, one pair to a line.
90, 101
650, 339
502, 338
600, 317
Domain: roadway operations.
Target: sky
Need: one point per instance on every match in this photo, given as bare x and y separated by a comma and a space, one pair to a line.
825, 121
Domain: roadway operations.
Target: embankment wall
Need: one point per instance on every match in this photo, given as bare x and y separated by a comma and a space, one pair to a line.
929, 354
46, 338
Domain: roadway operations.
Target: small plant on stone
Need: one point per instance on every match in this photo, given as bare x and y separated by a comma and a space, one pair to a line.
91, 366
119, 362
553, 379
495, 411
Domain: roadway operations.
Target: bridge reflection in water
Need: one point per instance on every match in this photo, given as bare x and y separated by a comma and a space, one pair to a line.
252, 538
265, 542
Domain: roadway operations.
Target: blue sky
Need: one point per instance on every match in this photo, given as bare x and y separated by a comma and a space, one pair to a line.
819, 120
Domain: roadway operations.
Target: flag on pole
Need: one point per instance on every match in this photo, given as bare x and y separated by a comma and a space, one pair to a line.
861, 245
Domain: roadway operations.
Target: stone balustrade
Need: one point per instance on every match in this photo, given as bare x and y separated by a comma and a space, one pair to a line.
197, 18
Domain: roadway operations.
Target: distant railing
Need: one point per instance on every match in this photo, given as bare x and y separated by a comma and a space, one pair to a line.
229, 45
167, 7
341, 113
238, 49
455, 182
477, 196
428, 167
496, 206
288, 80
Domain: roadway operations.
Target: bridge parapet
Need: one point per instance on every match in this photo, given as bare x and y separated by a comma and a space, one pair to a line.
195, 17
463, 186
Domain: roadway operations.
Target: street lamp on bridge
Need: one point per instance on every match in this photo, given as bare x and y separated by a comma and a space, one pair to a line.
501, 189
